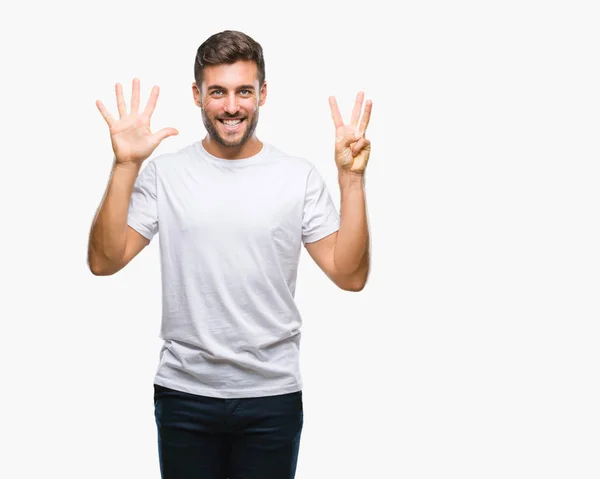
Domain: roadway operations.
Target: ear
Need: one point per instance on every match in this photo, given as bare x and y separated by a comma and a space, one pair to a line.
196, 93
263, 94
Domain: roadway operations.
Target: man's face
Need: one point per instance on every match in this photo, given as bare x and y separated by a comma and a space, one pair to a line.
229, 98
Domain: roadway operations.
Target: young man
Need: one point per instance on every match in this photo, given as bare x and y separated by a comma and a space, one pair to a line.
233, 213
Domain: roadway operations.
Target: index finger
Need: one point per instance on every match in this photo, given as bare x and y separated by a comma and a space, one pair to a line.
335, 112
151, 105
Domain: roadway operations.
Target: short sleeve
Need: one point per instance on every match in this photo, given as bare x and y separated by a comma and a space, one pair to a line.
320, 217
143, 211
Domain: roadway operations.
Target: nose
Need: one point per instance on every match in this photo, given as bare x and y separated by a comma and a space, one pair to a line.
231, 105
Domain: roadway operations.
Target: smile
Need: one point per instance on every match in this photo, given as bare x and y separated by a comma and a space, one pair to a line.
232, 125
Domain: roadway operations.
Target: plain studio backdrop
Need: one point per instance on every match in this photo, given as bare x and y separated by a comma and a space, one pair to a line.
473, 350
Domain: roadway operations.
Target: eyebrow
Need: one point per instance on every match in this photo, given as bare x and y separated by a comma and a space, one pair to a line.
241, 87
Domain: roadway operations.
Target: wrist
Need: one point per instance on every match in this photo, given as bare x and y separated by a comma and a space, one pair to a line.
349, 178
127, 166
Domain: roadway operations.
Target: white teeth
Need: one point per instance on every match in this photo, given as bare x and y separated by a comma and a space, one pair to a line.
232, 122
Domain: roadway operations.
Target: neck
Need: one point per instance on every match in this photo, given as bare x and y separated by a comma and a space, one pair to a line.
249, 148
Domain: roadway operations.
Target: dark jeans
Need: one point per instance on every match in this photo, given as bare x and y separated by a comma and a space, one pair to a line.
203, 437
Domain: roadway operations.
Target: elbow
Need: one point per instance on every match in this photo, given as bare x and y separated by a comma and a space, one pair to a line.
353, 284
101, 263
100, 272
99, 267
355, 287
356, 280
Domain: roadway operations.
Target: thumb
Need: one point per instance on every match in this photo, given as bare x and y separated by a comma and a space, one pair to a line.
164, 133
347, 139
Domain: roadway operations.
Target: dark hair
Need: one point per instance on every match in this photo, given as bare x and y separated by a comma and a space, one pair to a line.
228, 47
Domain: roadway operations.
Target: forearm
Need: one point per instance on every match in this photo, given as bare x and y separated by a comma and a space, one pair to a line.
108, 236
351, 255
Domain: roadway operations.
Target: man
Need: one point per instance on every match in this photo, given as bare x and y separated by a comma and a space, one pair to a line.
233, 213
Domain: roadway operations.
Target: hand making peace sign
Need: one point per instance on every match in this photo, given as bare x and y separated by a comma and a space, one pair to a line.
352, 149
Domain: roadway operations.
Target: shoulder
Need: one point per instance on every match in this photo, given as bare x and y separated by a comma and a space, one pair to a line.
170, 160
297, 163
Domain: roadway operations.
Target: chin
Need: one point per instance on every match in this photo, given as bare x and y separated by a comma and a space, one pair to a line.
231, 144
237, 140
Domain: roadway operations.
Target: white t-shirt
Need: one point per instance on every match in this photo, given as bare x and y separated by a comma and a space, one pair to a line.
231, 233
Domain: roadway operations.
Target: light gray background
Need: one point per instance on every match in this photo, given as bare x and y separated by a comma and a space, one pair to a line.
472, 352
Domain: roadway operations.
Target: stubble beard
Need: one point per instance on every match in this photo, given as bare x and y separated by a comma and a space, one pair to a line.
216, 136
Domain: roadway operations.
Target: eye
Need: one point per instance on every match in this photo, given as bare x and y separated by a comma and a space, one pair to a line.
246, 92
217, 92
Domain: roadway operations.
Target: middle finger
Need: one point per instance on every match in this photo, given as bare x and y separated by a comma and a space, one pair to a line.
365, 118
135, 95
357, 107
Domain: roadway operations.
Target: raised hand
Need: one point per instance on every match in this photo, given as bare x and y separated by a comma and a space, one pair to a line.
131, 138
352, 149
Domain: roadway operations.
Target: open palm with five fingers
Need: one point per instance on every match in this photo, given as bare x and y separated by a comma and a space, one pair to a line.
131, 137
352, 149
